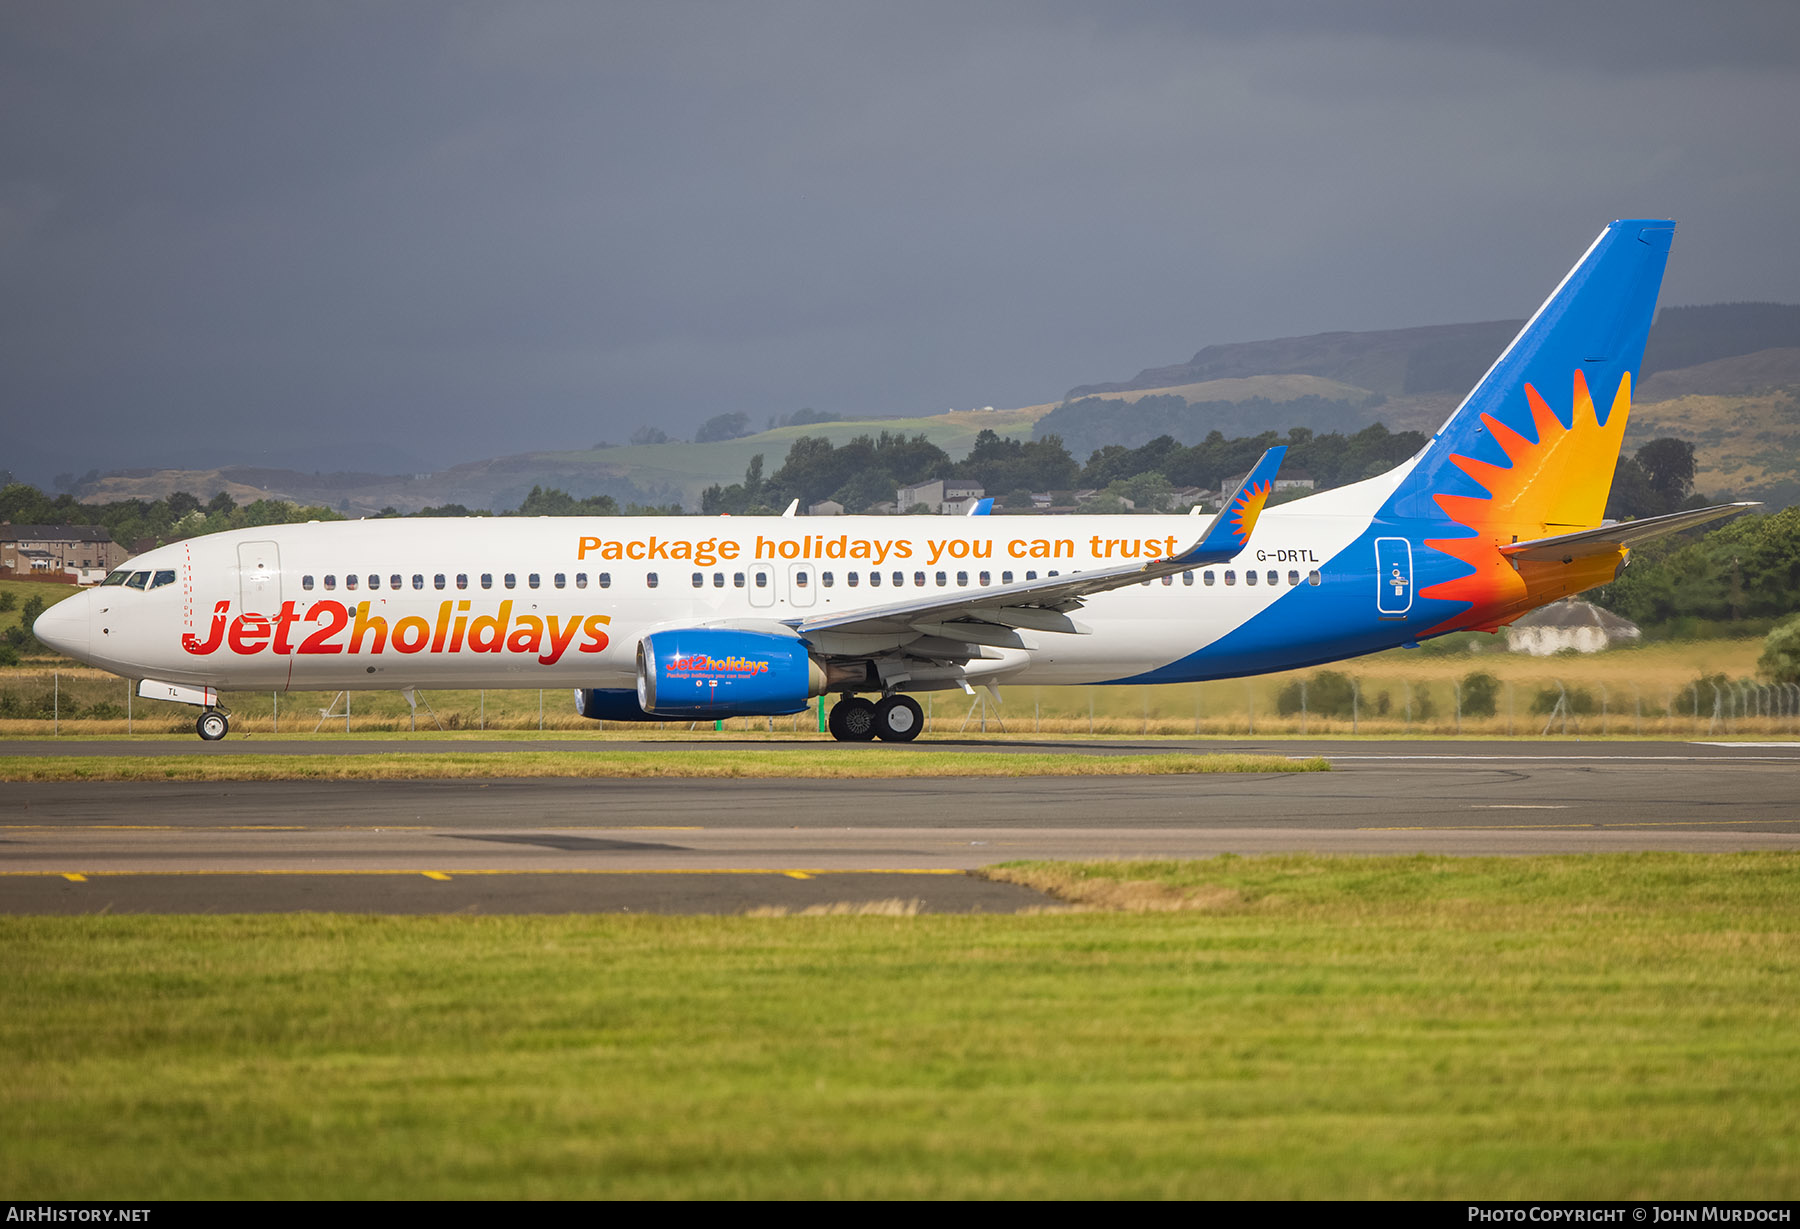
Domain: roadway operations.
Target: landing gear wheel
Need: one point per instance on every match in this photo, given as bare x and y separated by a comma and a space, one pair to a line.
898, 719
213, 725
852, 720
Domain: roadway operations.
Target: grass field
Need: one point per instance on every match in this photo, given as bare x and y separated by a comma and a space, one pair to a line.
1542, 1028
802, 763
1651, 691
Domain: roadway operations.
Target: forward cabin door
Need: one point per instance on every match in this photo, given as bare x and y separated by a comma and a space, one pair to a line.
259, 577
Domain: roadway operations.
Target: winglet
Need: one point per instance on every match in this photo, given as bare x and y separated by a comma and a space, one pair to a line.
1231, 528
981, 507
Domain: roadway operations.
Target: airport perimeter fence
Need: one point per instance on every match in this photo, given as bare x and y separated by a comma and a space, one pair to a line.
1324, 702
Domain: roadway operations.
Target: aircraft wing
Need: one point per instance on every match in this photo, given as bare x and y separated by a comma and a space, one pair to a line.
996, 615
1567, 547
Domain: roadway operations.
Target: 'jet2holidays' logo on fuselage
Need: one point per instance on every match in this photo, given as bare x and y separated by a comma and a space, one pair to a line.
353, 629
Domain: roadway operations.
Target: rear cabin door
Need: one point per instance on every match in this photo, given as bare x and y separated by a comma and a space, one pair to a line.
1393, 577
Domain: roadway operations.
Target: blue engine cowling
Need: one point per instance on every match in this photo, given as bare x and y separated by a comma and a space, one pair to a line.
708, 672
610, 704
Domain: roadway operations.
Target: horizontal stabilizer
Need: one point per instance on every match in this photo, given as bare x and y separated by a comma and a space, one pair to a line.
1231, 529
1568, 547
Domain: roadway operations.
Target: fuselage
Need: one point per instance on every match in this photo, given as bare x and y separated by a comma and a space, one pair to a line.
505, 602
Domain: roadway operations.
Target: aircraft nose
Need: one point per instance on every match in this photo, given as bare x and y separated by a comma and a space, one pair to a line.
64, 627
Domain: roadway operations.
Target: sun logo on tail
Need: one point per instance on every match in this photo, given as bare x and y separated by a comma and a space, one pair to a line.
1553, 484
1246, 508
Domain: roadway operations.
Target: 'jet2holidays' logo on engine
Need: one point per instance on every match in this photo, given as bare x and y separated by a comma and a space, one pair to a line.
701, 663
341, 629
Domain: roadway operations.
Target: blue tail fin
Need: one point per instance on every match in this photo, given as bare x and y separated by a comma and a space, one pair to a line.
1538, 438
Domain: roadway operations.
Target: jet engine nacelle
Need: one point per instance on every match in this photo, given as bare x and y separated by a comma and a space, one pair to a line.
707, 672
610, 704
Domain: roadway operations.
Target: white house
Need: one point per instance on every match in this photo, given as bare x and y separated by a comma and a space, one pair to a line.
1569, 624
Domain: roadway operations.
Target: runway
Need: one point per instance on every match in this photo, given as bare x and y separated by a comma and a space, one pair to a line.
724, 846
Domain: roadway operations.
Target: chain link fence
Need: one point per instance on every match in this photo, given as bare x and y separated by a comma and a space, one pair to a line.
1321, 702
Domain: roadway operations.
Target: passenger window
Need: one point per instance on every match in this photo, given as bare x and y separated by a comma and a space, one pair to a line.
943, 579
800, 580
875, 579
919, 580
737, 580
437, 581
330, 581
350, 581
1169, 579
1187, 578
1230, 577
962, 578
1274, 577
985, 578
510, 580
418, 580
462, 580
1293, 578
604, 580
1208, 576
718, 580
849, 579
699, 580
1006, 578
827, 579
531, 581
650, 580
306, 582
374, 580
487, 580
1031, 575
762, 580
1249, 577
581, 580
1312, 578
560, 581
394, 581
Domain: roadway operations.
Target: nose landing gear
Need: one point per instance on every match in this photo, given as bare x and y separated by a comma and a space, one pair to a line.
212, 725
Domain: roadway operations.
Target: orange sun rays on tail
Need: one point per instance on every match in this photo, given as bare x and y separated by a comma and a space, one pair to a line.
1557, 484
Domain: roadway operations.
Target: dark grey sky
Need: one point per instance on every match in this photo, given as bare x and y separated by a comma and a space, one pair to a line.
400, 235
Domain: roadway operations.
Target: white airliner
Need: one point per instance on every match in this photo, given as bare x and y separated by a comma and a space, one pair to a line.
689, 618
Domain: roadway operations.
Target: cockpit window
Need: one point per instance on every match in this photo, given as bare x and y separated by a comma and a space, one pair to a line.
115, 578
138, 580
162, 578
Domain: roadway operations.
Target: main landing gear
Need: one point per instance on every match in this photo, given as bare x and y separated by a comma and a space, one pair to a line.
212, 725
896, 719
